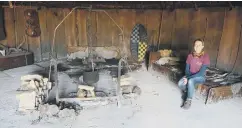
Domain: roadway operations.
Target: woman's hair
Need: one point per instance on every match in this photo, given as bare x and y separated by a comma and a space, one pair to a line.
199, 40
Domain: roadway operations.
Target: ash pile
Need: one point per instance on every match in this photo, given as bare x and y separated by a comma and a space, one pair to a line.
73, 86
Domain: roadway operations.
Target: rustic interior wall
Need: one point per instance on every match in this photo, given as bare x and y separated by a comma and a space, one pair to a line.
220, 28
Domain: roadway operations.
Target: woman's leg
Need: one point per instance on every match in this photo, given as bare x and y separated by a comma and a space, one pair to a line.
192, 83
181, 84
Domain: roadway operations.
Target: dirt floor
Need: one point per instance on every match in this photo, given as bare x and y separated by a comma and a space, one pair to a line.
157, 106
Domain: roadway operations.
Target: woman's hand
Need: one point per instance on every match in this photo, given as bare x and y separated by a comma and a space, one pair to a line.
185, 80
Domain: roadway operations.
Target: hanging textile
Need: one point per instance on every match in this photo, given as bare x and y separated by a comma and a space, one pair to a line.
138, 42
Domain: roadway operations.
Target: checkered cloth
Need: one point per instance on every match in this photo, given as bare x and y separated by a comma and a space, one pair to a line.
142, 50
134, 39
138, 42
135, 35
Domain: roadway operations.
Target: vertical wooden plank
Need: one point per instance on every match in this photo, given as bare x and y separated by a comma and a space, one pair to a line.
70, 28
104, 30
127, 19
230, 40
153, 24
93, 29
167, 26
50, 23
45, 40
34, 46
140, 17
81, 25
20, 28
181, 33
93, 22
237, 66
238, 56
55, 16
114, 30
215, 19
9, 28
197, 28
61, 45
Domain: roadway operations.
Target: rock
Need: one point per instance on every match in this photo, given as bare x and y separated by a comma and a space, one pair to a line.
127, 89
136, 90
49, 110
53, 110
34, 115
66, 113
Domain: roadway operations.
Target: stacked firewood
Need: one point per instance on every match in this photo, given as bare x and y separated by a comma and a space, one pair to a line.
33, 91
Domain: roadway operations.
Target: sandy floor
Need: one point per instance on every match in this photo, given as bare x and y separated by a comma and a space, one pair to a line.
158, 106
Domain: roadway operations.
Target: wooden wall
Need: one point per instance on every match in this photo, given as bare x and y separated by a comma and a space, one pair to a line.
220, 28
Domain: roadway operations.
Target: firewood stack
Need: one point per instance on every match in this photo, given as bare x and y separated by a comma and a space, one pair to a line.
33, 91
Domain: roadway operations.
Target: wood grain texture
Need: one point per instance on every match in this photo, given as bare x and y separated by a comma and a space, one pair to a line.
127, 21
44, 37
180, 37
81, 27
215, 21
20, 28
93, 30
70, 28
197, 27
104, 30
34, 45
9, 20
50, 23
153, 19
176, 29
236, 53
115, 31
166, 31
54, 18
229, 42
238, 63
61, 45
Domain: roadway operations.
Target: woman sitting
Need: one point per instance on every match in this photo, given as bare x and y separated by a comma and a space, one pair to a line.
196, 65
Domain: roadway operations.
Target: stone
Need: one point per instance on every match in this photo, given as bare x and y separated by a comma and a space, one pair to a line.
49, 110
67, 113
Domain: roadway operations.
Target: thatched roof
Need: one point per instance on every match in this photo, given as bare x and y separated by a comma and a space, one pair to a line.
171, 5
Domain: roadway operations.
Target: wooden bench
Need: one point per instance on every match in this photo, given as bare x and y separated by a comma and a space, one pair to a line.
16, 60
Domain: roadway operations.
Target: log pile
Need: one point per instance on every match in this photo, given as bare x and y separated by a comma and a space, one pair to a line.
33, 91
